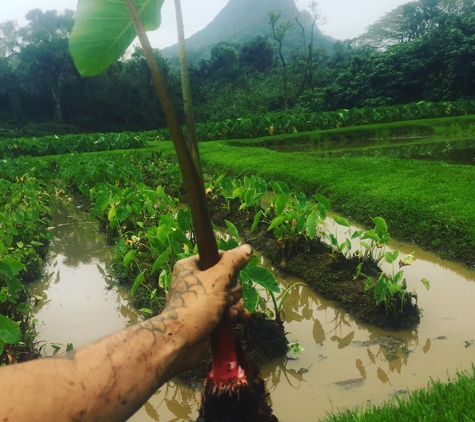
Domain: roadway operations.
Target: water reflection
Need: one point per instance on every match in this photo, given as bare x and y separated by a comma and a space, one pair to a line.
454, 151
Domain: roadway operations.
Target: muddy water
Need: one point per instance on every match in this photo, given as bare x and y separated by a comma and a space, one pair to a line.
79, 303
345, 363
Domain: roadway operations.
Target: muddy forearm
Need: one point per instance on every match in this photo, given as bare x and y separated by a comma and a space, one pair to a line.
105, 381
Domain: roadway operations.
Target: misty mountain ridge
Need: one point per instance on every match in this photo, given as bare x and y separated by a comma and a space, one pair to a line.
241, 21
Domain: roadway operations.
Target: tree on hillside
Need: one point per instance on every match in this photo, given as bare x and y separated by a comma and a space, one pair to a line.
45, 61
412, 20
437, 66
311, 17
279, 28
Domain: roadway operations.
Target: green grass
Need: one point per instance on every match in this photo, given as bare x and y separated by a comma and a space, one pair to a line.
451, 401
429, 203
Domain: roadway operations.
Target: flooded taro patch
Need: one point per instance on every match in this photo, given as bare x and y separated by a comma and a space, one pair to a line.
450, 151
345, 363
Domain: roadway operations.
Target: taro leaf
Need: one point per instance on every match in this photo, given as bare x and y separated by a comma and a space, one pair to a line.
103, 30
122, 212
398, 277
129, 257
9, 330
249, 197
2, 343
370, 234
177, 240
159, 191
357, 233
257, 219
341, 221
380, 224
184, 219
280, 203
164, 280
227, 245
426, 283
111, 214
161, 260
263, 277
324, 201
138, 281
285, 187
407, 260
312, 221
380, 290
390, 257
10, 267
14, 285
322, 211
302, 199
163, 231
275, 187
302, 223
23, 307
333, 240
277, 222
3, 296
232, 229
250, 296
295, 347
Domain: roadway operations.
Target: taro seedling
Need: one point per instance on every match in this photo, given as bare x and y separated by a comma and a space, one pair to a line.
99, 37
391, 289
375, 240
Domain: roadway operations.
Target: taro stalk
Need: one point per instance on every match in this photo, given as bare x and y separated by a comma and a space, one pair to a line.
102, 32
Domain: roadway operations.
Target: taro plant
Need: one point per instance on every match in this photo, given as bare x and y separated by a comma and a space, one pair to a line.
295, 217
391, 289
254, 275
374, 241
99, 37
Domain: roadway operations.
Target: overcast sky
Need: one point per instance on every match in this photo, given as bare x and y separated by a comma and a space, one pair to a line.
347, 18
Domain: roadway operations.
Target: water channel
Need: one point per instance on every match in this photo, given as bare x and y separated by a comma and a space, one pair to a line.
345, 363
459, 151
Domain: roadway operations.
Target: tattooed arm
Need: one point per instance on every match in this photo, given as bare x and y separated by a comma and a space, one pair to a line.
110, 379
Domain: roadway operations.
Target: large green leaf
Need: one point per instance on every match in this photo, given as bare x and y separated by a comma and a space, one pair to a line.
138, 281
312, 221
9, 330
263, 277
103, 30
250, 296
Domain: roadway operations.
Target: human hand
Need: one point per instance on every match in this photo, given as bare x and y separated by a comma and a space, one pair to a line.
200, 299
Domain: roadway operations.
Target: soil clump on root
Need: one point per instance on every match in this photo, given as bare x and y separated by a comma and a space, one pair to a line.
262, 340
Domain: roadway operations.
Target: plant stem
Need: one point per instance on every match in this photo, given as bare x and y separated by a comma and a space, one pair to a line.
191, 135
192, 175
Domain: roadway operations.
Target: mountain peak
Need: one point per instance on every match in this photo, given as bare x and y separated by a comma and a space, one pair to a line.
241, 21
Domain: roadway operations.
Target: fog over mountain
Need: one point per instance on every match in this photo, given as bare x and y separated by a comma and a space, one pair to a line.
243, 20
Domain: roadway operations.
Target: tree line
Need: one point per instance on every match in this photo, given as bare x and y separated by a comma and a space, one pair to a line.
422, 50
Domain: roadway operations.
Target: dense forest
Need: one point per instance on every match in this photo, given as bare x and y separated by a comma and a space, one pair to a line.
422, 50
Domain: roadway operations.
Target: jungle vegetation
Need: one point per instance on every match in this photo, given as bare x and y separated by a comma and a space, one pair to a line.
420, 51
